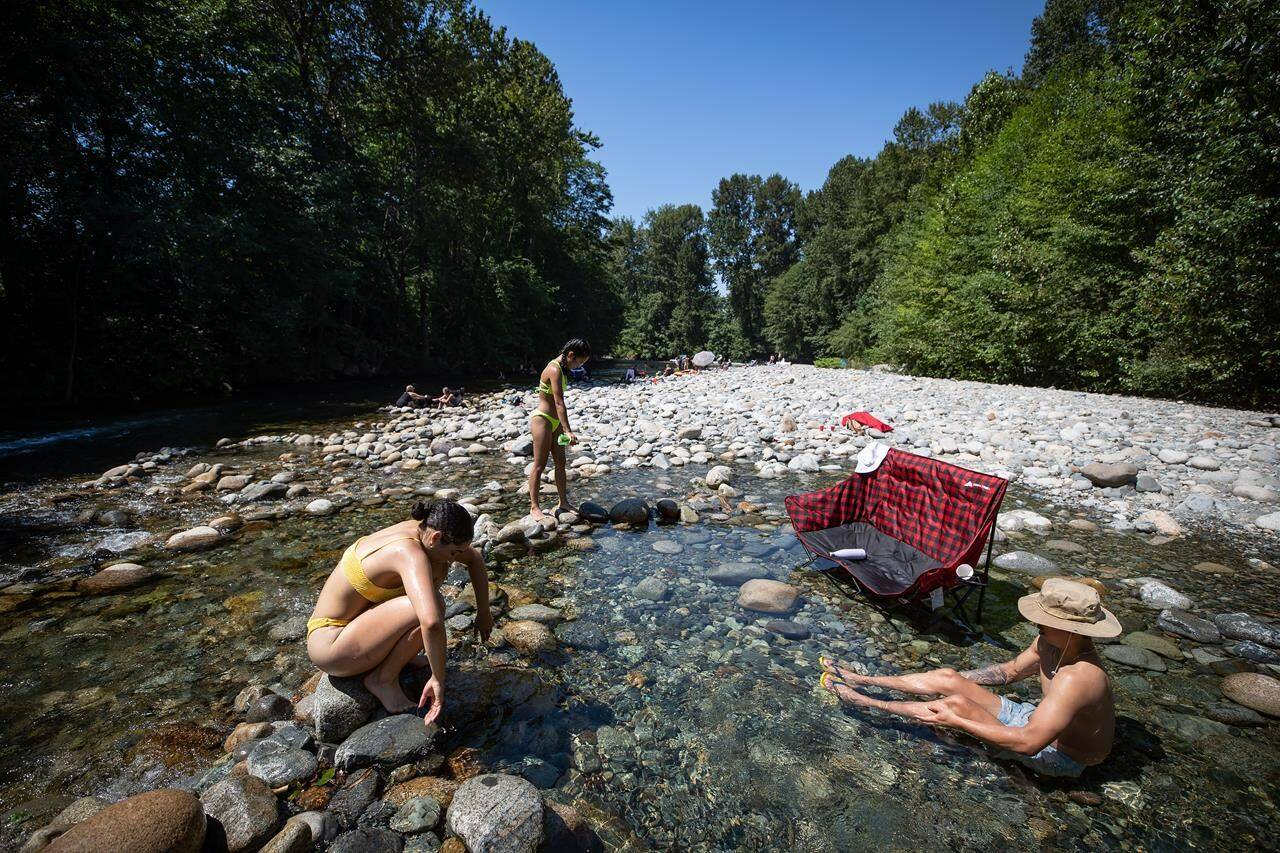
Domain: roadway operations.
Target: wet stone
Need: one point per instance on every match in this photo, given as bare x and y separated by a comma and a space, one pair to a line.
1253, 690
497, 813
417, 815
1159, 595
1242, 626
388, 742
355, 795
269, 708
1255, 652
1162, 646
537, 613
651, 589
767, 596
246, 810
278, 764
581, 635
666, 546
378, 813
631, 511
1195, 728
294, 838
339, 706
1134, 657
736, 574
1184, 624
367, 840
787, 629
1025, 562
1234, 715
593, 512
293, 628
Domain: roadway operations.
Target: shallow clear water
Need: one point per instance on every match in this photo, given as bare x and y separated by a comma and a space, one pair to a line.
692, 727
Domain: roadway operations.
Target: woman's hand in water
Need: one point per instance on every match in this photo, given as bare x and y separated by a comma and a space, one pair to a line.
433, 692
484, 626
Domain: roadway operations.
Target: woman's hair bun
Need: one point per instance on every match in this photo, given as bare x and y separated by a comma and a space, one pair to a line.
419, 512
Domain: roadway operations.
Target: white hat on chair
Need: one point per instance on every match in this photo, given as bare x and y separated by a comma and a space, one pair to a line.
871, 457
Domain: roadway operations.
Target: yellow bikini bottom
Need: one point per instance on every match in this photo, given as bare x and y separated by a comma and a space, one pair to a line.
555, 422
315, 623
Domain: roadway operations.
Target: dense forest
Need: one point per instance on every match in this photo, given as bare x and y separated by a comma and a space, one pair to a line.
210, 192
1107, 220
201, 192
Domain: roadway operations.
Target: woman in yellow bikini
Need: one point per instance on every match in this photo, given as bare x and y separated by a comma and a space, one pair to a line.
550, 423
381, 606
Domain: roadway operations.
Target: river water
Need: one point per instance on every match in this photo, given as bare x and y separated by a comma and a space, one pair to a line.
687, 724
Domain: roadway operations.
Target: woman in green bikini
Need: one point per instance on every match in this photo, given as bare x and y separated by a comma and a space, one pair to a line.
550, 423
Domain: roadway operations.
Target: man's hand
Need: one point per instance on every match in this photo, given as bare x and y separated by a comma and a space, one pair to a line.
940, 714
484, 626
433, 692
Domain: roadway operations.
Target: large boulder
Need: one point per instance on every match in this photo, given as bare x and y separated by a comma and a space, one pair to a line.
195, 539
388, 742
633, 511
497, 813
246, 812
1110, 474
1253, 690
165, 821
339, 706
768, 596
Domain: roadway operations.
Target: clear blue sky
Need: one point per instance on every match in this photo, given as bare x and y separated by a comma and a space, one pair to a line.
685, 93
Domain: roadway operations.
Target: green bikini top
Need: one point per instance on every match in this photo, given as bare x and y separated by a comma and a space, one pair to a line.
545, 388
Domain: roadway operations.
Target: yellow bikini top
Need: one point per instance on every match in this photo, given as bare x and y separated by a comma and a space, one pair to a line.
353, 568
545, 388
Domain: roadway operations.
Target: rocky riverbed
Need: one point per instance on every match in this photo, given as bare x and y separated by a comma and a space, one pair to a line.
651, 680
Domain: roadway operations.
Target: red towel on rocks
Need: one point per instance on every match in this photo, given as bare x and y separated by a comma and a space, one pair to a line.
867, 420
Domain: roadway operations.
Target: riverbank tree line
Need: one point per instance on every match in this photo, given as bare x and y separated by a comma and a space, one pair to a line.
200, 192
1108, 219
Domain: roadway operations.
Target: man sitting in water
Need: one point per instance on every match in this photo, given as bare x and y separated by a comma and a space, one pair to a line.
411, 397
1073, 726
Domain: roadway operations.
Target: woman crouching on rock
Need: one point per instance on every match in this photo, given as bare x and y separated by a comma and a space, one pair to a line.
381, 606
551, 421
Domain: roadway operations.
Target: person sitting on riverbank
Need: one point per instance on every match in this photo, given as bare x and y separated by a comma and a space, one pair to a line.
410, 397
447, 398
1071, 729
381, 605
551, 421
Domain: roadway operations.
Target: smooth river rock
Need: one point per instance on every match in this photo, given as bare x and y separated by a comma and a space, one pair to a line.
195, 539
1133, 656
246, 811
388, 742
767, 596
497, 813
279, 764
1109, 475
164, 821
116, 578
1184, 624
633, 511
339, 706
1242, 626
1253, 690
1026, 562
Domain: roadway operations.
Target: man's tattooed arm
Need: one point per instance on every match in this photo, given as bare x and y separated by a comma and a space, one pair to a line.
992, 675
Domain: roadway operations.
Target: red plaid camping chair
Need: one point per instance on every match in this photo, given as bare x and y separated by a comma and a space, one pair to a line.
918, 519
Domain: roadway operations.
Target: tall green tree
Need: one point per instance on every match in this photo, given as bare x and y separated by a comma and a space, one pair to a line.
753, 240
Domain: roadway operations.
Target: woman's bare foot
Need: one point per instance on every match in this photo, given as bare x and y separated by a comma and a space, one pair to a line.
390, 695
842, 671
565, 507
846, 694
539, 516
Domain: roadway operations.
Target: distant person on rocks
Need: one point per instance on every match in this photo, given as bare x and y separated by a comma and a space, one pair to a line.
381, 606
629, 376
447, 398
1073, 726
551, 421
410, 397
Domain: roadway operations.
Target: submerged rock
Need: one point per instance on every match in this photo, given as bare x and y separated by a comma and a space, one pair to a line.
1133, 656
529, 637
195, 539
651, 589
116, 578
497, 813
768, 596
736, 574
